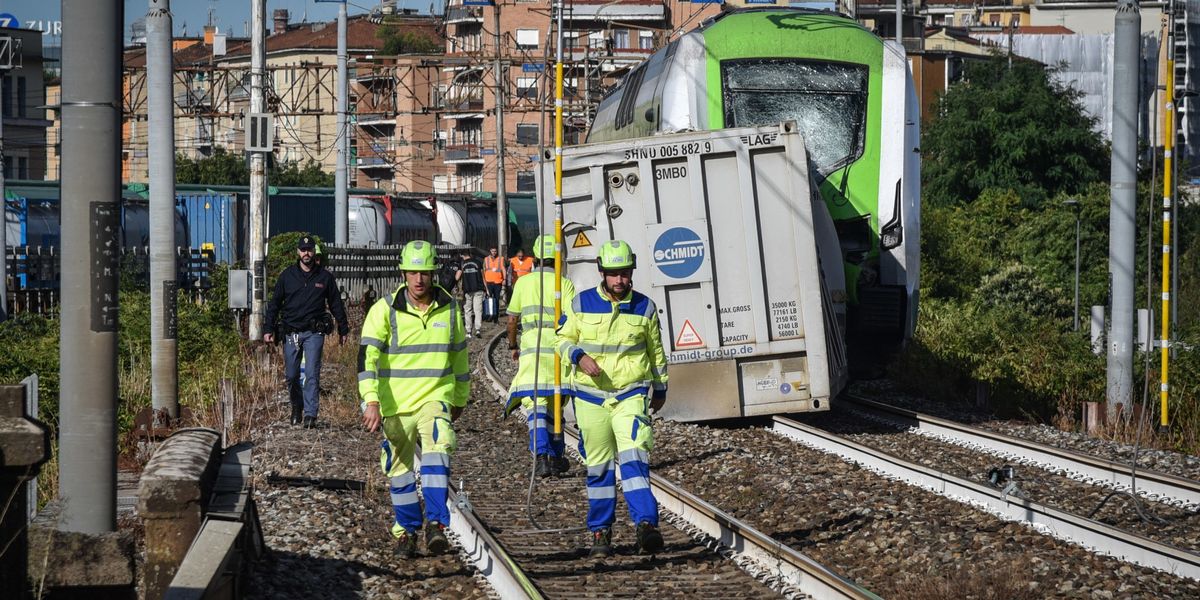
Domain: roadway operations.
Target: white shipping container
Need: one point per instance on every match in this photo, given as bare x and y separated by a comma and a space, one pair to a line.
737, 249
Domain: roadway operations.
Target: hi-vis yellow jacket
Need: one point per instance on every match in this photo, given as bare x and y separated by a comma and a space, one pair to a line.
622, 337
533, 303
408, 358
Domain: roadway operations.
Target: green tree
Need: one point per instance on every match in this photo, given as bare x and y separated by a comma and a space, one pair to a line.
222, 168
397, 41
292, 174
227, 168
1010, 128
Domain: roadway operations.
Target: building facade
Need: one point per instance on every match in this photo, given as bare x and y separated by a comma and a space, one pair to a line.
23, 104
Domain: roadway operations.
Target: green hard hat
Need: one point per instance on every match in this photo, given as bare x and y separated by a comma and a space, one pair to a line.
616, 255
543, 248
418, 256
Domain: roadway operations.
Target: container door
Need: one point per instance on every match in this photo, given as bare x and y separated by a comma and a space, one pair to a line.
679, 262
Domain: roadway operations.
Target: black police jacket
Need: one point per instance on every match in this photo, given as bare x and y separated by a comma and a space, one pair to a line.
299, 302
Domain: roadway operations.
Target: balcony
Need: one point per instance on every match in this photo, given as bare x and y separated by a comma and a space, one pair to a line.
376, 120
462, 116
471, 103
604, 10
464, 14
462, 154
373, 163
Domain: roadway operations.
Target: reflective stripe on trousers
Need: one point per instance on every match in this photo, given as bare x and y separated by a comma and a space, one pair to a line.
617, 433
541, 429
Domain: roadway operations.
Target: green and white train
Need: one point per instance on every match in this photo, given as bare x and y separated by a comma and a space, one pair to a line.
852, 97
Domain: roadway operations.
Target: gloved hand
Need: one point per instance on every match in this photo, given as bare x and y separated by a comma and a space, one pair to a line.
658, 400
510, 405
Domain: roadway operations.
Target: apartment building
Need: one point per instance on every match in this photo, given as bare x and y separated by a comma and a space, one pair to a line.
602, 41
212, 89
23, 103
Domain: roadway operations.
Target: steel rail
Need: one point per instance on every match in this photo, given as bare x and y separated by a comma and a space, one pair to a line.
1088, 533
485, 552
815, 579
1090, 469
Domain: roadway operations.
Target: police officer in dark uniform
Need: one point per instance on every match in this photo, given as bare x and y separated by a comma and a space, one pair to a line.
301, 295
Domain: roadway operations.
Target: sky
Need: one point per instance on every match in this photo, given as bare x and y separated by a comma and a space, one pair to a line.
231, 16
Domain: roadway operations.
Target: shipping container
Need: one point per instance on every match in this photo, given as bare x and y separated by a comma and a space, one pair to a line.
737, 249
212, 224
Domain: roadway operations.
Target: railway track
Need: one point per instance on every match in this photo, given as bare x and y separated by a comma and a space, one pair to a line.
1152, 485
533, 548
923, 465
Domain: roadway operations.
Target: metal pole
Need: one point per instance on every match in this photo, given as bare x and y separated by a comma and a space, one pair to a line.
1077, 270
341, 204
559, 247
164, 372
501, 194
1122, 234
900, 23
258, 174
1168, 204
91, 220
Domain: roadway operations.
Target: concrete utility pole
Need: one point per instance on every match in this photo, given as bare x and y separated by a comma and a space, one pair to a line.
341, 204
91, 246
258, 172
164, 385
1122, 234
900, 23
501, 194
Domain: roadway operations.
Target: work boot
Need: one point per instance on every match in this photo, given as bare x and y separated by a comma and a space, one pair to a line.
406, 546
310, 422
435, 538
601, 543
561, 465
543, 468
649, 540
297, 414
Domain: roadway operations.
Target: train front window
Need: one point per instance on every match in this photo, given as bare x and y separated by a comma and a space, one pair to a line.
827, 100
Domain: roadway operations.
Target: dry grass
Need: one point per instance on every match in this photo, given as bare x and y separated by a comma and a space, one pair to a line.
966, 584
243, 402
1133, 427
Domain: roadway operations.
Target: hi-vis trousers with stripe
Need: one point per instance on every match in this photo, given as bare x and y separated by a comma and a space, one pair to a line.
617, 430
429, 425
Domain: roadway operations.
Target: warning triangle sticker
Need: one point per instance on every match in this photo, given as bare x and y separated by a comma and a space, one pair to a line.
581, 241
688, 338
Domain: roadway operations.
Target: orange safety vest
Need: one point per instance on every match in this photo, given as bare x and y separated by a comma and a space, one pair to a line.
520, 267
493, 270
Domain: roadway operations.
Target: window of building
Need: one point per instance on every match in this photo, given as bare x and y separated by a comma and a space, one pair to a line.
597, 40
8, 167
570, 87
994, 20
6, 96
22, 167
527, 133
21, 98
646, 40
621, 38
526, 182
527, 39
527, 87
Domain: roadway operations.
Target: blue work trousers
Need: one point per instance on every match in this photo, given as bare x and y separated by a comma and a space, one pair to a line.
306, 346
